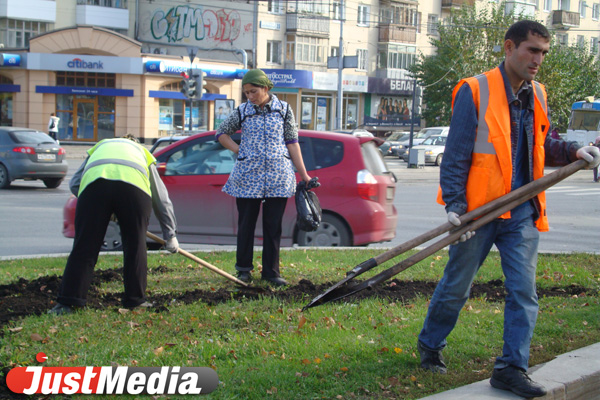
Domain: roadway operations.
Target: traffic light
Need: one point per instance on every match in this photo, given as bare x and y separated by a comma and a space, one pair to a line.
186, 84
198, 79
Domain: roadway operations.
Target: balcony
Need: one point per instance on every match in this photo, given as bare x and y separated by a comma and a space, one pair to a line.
314, 25
397, 33
107, 17
29, 10
565, 19
457, 3
520, 7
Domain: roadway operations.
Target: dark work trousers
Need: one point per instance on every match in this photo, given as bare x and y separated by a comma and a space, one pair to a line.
98, 201
248, 209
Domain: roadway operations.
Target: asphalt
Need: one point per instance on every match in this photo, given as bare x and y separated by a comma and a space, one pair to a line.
570, 376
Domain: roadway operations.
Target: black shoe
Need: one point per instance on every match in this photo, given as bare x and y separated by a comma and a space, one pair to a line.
432, 360
517, 381
244, 276
276, 281
61, 309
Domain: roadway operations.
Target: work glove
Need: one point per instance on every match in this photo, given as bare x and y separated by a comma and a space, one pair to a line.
454, 220
591, 154
172, 245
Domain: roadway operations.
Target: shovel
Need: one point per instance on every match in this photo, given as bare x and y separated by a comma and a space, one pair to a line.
207, 265
486, 213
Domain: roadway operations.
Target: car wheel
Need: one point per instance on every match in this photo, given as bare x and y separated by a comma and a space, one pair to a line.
4, 178
438, 159
332, 232
52, 183
112, 238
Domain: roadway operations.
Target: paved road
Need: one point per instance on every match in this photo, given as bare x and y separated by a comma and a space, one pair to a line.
32, 215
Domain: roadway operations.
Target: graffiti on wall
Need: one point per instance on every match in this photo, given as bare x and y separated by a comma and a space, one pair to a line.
184, 22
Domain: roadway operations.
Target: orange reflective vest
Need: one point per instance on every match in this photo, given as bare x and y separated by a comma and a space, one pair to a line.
490, 175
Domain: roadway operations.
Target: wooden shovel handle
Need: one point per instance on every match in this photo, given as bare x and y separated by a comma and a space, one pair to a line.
198, 260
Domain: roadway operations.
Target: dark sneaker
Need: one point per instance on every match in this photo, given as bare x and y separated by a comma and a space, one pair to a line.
517, 381
244, 276
432, 360
61, 309
276, 281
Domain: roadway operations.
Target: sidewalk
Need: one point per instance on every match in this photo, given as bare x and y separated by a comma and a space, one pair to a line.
571, 376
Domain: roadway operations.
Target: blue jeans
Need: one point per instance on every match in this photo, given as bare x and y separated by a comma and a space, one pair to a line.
517, 241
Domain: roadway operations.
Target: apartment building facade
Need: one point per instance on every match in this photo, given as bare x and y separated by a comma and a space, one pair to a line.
110, 67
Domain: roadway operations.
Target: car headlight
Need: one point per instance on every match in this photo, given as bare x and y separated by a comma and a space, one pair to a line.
428, 152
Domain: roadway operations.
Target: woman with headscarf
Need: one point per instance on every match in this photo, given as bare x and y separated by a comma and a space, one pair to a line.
263, 173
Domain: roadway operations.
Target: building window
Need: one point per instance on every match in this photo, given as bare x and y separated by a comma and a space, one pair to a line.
547, 5
432, 24
582, 8
594, 45
16, 33
596, 11
274, 51
103, 3
580, 41
402, 14
396, 56
363, 15
275, 7
564, 5
334, 51
562, 39
305, 49
336, 11
85, 79
363, 59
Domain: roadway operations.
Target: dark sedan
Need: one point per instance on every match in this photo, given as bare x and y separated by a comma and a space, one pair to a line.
30, 155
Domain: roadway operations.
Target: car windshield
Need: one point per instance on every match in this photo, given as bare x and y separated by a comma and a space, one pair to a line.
30, 137
435, 140
395, 136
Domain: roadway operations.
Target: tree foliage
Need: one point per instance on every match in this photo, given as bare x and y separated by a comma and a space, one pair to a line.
472, 43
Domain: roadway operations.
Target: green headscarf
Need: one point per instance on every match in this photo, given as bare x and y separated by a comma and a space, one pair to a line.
257, 77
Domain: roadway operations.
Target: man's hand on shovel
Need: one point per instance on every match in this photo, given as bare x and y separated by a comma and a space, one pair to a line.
454, 219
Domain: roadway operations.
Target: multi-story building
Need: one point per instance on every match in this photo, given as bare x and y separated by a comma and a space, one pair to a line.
110, 67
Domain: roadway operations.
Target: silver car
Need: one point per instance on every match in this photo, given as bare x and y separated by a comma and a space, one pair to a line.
29, 154
433, 148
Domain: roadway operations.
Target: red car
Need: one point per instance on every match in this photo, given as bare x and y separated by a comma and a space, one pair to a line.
356, 194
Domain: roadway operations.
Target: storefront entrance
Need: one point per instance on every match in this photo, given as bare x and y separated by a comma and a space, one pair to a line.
84, 126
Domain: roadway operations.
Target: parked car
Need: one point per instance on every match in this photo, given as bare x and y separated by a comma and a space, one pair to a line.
165, 141
30, 155
356, 193
419, 137
433, 149
394, 140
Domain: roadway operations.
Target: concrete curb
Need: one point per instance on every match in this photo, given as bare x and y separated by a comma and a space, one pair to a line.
570, 376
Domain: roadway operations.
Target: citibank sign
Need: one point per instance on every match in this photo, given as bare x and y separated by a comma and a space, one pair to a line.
79, 63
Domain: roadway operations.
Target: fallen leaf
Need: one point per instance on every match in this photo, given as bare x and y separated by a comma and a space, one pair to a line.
158, 351
317, 360
397, 350
344, 369
83, 339
123, 311
305, 361
413, 378
302, 322
16, 329
36, 338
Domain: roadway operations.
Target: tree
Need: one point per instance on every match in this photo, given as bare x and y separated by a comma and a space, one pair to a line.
472, 43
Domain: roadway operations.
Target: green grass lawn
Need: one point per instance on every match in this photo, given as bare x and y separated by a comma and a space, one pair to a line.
266, 347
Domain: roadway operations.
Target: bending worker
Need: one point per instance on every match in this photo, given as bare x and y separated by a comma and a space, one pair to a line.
498, 142
119, 177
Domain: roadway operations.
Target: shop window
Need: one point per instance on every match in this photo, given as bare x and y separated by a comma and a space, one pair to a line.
315, 112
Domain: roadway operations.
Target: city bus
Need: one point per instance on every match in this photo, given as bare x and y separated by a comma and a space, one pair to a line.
584, 122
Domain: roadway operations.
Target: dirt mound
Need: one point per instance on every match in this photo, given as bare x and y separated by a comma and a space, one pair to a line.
35, 297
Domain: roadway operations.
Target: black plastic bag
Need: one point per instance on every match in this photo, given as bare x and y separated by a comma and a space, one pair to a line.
307, 206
